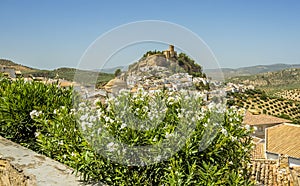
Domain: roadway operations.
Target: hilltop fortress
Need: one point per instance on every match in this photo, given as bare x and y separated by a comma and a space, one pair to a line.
170, 53
160, 70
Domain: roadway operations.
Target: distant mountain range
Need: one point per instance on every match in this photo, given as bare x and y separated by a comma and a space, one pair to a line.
228, 72
250, 70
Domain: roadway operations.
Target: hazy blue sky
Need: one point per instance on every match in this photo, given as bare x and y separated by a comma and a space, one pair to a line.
55, 33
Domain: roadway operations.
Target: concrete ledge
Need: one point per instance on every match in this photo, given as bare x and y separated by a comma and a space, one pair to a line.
46, 171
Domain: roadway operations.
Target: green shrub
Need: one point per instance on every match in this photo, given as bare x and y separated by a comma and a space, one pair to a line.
223, 162
18, 101
41, 117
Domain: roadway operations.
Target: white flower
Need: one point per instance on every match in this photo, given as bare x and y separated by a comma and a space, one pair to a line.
96, 101
84, 117
81, 109
224, 131
92, 118
89, 124
154, 139
64, 156
123, 125
205, 125
72, 111
108, 108
111, 146
193, 119
180, 115
171, 100
99, 131
145, 108
117, 103
55, 111
247, 127
73, 154
35, 113
230, 163
106, 118
233, 138
60, 142
82, 104
36, 134
158, 158
168, 135
211, 105
83, 126
99, 112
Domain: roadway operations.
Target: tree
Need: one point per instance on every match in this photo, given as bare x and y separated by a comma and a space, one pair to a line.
117, 72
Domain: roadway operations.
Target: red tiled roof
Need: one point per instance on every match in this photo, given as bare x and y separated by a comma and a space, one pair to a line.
258, 151
267, 172
284, 139
262, 119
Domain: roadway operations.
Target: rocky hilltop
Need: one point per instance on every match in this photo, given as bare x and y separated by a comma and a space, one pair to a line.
166, 63
160, 70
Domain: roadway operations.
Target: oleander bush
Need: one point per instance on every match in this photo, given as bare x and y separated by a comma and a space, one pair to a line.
72, 137
80, 136
19, 99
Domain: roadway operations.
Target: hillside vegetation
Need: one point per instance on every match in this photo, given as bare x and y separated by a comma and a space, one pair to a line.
251, 70
272, 81
11, 64
68, 74
86, 76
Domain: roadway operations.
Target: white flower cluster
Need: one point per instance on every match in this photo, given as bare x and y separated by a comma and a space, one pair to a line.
141, 110
111, 147
87, 118
35, 114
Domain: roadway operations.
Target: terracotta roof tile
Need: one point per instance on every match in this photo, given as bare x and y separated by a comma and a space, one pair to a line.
296, 175
267, 172
284, 139
262, 119
258, 151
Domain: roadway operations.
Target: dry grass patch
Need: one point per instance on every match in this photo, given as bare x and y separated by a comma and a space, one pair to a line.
11, 176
